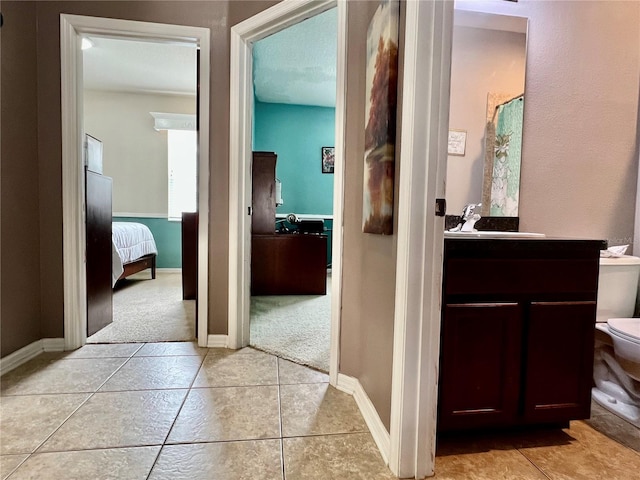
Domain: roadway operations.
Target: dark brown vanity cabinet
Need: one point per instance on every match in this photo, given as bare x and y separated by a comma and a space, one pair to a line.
517, 332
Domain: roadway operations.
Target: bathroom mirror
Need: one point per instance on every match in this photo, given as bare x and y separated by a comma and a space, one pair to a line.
487, 104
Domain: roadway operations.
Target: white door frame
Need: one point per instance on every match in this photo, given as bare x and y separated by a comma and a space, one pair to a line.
416, 350
243, 35
72, 27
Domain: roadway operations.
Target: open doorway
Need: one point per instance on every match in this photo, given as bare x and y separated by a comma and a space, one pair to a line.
294, 87
73, 28
139, 103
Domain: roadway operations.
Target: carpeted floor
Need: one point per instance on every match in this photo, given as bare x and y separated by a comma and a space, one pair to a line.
295, 327
146, 310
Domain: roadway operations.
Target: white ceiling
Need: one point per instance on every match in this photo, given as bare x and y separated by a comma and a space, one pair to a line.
135, 66
295, 66
298, 65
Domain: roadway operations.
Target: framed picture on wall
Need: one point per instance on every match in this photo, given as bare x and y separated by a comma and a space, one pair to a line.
328, 159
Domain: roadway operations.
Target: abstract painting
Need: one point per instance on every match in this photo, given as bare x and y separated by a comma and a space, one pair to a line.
380, 119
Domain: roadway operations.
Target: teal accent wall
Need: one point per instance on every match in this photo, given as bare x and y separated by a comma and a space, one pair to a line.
168, 237
297, 134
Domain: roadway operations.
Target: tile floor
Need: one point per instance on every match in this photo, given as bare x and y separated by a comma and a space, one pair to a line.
176, 411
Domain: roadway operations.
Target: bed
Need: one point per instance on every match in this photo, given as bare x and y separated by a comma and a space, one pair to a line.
133, 250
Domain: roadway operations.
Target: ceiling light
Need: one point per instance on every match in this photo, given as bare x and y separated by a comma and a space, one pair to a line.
86, 43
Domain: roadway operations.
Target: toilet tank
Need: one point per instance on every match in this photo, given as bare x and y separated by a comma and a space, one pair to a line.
617, 287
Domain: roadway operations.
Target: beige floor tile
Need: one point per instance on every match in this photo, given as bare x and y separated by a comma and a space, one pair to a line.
8, 463
154, 373
59, 376
230, 413
119, 419
229, 368
251, 460
579, 453
164, 349
318, 409
112, 464
482, 457
290, 373
105, 350
348, 457
26, 421
614, 427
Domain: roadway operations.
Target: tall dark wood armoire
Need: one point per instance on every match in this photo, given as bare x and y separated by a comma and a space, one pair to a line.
263, 193
281, 264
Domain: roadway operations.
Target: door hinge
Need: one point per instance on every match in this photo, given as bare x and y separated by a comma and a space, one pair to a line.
441, 207
248, 210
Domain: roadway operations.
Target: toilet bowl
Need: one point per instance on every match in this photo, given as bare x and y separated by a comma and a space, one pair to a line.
617, 348
625, 333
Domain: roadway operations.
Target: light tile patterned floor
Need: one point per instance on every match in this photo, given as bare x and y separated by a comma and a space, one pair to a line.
176, 411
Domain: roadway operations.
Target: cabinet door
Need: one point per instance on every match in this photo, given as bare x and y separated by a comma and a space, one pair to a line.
263, 193
559, 361
480, 365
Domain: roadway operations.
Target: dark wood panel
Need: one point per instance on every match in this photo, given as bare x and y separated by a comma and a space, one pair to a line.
521, 277
148, 261
189, 256
559, 361
480, 365
99, 252
294, 264
263, 194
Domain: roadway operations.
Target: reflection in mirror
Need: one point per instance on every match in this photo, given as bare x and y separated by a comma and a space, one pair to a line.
487, 99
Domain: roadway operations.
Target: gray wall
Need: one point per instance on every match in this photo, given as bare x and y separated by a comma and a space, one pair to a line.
20, 254
580, 161
369, 260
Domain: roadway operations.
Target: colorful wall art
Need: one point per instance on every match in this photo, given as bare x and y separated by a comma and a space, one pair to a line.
380, 119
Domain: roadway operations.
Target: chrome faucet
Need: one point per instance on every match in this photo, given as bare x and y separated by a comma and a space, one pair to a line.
468, 218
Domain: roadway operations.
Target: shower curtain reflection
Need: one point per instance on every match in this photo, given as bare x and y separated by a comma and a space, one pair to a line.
507, 149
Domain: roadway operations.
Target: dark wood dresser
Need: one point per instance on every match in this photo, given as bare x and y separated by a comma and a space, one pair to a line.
281, 264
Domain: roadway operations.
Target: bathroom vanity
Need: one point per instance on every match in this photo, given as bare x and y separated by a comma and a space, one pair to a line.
517, 331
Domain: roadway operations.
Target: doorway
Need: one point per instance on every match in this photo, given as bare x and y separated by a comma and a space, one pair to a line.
139, 100
294, 89
243, 36
73, 28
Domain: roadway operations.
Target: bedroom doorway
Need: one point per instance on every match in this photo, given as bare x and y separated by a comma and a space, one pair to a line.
73, 29
139, 100
294, 87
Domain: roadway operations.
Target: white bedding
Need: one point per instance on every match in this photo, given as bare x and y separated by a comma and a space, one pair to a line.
130, 242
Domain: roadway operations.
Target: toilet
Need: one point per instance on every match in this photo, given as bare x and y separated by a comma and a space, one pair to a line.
616, 369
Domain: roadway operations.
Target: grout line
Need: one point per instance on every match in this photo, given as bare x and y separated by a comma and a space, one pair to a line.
91, 394
532, 463
282, 466
184, 400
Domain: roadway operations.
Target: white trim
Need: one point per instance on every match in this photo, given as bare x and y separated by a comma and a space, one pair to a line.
338, 193
73, 238
53, 344
379, 432
309, 216
218, 341
169, 270
346, 383
173, 121
28, 352
425, 117
140, 215
243, 35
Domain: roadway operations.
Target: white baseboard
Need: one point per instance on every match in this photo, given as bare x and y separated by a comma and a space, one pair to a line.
53, 344
169, 270
217, 341
378, 431
17, 358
